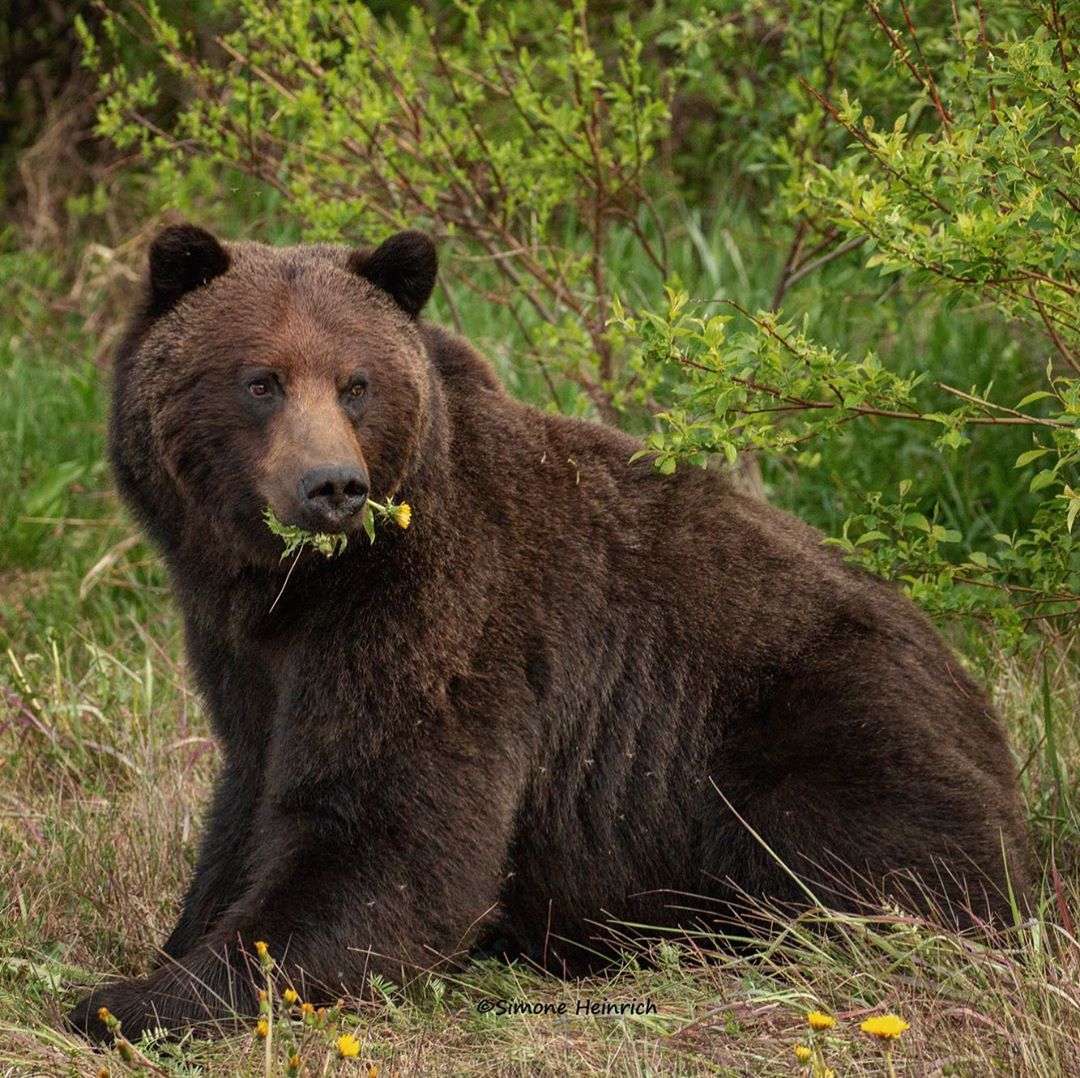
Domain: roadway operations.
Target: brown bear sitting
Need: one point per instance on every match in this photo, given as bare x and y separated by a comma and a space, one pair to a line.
573, 691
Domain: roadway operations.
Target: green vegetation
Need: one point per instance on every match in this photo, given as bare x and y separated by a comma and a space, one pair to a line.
867, 220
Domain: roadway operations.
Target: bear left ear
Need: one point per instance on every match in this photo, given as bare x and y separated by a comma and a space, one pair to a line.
183, 258
403, 266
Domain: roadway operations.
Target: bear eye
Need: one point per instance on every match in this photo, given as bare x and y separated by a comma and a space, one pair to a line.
259, 388
356, 389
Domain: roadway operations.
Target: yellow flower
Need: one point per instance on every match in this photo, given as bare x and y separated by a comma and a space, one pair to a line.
348, 1046
103, 1014
828, 1072
307, 1008
373, 1071
289, 996
403, 515
886, 1027
262, 1028
802, 1053
262, 995
261, 949
819, 1020
294, 1061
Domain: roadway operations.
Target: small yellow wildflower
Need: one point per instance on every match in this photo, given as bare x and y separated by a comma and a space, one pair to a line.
820, 1020
403, 515
373, 1071
103, 1014
262, 995
307, 1008
289, 996
294, 1061
886, 1027
348, 1046
262, 1028
103, 1072
802, 1053
828, 1072
261, 949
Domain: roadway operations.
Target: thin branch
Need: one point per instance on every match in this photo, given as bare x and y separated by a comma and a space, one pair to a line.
1064, 350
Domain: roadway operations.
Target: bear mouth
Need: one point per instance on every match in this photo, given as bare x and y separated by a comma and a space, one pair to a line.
335, 520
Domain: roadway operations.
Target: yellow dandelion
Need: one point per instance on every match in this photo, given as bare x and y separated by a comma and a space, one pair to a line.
820, 1020
262, 1028
802, 1053
289, 996
103, 1014
262, 995
103, 1072
886, 1027
307, 1008
373, 1071
403, 515
348, 1046
294, 1062
828, 1072
261, 949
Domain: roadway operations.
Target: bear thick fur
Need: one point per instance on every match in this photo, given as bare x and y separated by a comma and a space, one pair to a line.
573, 691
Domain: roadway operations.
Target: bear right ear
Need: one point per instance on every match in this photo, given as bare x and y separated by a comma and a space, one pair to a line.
404, 266
182, 258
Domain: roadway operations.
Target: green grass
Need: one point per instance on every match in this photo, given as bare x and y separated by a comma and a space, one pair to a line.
105, 764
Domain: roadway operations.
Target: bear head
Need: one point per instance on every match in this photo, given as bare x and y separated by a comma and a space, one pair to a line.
295, 378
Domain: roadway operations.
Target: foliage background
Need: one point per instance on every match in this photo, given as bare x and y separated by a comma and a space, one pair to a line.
830, 246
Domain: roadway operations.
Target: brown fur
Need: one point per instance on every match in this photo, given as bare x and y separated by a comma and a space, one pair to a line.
563, 696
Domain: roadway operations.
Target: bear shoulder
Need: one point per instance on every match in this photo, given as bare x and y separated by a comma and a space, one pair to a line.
460, 366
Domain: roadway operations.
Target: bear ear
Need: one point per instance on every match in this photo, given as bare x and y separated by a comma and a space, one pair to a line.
182, 258
404, 266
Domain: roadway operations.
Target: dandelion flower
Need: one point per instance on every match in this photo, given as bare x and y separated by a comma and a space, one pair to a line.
289, 996
820, 1020
403, 515
886, 1027
307, 1008
262, 1028
103, 1014
802, 1053
828, 1072
261, 949
373, 1071
348, 1046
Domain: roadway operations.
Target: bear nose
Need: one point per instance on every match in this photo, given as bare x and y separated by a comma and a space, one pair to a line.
335, 493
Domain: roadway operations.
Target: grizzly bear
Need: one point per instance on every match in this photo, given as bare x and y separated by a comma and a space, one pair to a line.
574, 693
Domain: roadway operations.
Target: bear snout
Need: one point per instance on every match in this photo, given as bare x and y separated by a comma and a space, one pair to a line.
331, 497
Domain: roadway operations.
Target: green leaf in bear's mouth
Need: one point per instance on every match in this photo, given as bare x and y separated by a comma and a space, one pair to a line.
295, 538
331, 545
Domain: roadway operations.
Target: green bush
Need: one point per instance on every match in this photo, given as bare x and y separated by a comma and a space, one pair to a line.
967, 191
915, 174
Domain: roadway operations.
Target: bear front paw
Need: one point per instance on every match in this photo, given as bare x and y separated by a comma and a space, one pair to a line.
87, 1019
125, 1003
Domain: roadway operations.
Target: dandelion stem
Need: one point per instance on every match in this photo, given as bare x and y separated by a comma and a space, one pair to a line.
286, 581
